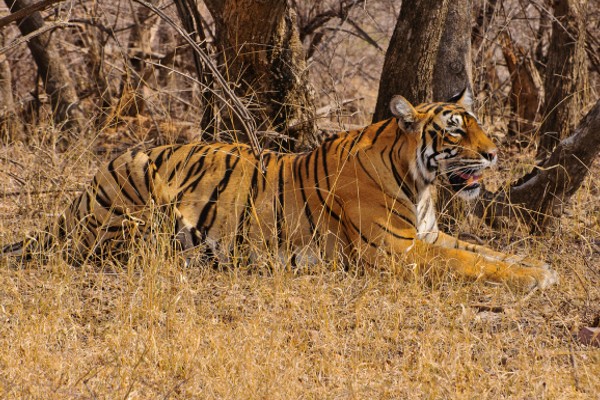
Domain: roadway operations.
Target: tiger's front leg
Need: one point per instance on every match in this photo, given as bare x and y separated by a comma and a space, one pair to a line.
451, 242
383, 238
478, 266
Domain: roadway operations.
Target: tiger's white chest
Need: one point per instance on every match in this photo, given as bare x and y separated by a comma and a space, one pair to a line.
427, 229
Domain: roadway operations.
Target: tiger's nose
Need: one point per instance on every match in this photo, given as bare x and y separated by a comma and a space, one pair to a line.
489, 155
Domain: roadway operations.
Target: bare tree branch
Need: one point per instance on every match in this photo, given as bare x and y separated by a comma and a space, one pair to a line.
26, 11
545, 189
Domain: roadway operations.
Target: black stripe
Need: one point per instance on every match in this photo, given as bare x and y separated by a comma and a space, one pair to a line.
429, 107
306, 159
112, 228
174, 171
381, 129
160, 158
394, 234
404, 218
192, 171
424, 211
328, 210
297, 169
134, 185
111, 170
324, 163
103, 200
202, 224
279, 207
400, 181
363, 237
357, 139
266, 160
365, 169
247, 211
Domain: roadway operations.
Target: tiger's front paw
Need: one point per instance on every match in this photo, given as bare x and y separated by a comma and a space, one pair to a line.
543, 276
527, 262
534, 263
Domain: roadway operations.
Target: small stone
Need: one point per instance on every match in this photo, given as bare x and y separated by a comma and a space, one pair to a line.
589, 336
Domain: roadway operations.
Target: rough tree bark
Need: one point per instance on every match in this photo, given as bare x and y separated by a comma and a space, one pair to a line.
190, 18
51, 69
262, 53
7, 102
451, 74
411, 54
565, 83
542, 193
9, 123
453, 69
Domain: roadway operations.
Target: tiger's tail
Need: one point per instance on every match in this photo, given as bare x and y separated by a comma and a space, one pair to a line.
34, 244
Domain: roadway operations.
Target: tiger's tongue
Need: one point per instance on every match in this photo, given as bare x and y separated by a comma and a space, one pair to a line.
470, 179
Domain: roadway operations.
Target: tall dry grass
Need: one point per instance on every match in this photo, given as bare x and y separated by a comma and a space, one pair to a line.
156, 328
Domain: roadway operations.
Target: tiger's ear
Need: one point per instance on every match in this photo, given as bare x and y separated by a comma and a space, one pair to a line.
464, 99
406, 113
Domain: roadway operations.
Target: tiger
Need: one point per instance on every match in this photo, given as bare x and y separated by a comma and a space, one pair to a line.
361, 195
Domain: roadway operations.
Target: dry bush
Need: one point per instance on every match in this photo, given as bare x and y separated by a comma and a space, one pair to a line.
154, 327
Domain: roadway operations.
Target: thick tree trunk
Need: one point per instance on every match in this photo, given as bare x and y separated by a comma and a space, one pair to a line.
411, 54
52, 69
453, 69
565, 84
263, 54
451, 74
545, 190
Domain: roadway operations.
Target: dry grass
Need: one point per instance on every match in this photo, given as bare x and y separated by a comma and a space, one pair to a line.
157, 329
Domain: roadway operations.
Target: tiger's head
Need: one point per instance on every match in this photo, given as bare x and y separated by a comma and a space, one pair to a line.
449, 141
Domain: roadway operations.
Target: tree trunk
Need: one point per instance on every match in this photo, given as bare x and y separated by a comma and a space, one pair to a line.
451, 74
566, 81
55, 77
263, 54
545, 190
453, 69
9, 123
191, 20
7, 102
411, 54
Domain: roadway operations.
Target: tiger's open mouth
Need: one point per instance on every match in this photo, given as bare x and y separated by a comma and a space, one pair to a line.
465, 179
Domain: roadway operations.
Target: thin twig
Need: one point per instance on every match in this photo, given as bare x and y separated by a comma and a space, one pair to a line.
49, 191
26, 11
35, 33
